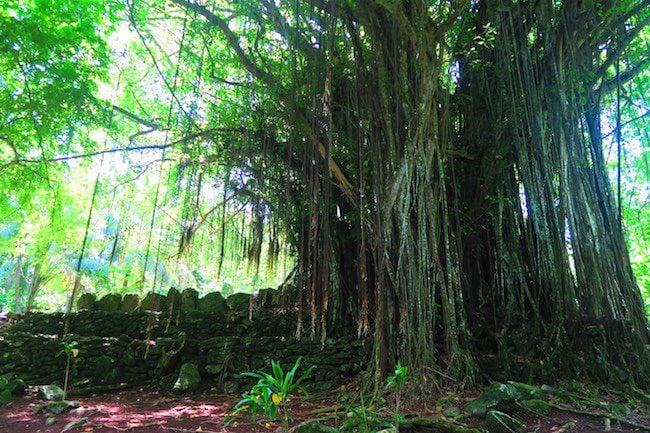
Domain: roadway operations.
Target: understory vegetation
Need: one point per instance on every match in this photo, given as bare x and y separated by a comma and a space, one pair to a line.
465, 182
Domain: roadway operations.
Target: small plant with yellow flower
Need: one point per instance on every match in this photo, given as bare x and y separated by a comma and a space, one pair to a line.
70, 351
271, 393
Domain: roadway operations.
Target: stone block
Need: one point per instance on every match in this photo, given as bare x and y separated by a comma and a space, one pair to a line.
212, 303
499, 422
109, 302
174, 300
130, 303
239, 302
154, 302
50, 392
189, 300
86, 301
188, 378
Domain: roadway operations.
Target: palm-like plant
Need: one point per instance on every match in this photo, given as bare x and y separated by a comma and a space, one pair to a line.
271, 393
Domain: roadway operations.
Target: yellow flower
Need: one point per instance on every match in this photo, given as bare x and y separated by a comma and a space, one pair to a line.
75, 352
276, 399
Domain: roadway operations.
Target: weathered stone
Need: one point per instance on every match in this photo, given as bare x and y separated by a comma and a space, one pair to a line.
222, 346
188, 378
86, 301
538, 406
264, 298
238, 302
190, 298
105, 365
523, 391
154, 302
499, 422
495, 395
50, 392
110, 302
212, 303
314, 427
174, 300
57, 407
130, 303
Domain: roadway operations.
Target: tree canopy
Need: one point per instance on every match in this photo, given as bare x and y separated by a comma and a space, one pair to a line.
457, 180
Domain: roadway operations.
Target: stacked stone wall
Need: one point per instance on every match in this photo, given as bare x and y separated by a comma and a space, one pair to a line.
149, 341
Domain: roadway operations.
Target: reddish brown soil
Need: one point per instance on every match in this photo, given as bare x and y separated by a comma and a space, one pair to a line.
150, 412
142, 412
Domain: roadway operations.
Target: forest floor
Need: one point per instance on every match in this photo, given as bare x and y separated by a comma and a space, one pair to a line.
152, 412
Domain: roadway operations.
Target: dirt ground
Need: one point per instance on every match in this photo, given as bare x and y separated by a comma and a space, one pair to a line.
151, 412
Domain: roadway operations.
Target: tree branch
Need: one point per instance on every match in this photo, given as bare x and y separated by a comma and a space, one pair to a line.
136, 118
625, 76
202, 134
270, 81
233, 40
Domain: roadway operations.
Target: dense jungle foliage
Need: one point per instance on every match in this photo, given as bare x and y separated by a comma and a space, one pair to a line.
455, 178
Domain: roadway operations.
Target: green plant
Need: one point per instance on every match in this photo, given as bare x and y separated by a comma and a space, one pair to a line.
70, 351
395, 383
270, 395
363, 418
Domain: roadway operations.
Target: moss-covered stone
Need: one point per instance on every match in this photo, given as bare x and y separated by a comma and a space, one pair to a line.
238, 302
499, 422
104, 365
130, 303
110, 302
190, 298
537, 406
154, 302
50, 392
86, 301
113, 345
57, 407
523, 391
188, 378
496, 396
212, 303
174, 300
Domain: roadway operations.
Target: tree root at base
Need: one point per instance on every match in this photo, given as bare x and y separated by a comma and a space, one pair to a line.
606, 415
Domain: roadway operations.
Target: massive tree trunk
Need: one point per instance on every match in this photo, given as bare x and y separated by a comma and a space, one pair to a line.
469, 212
413, 229
545, 258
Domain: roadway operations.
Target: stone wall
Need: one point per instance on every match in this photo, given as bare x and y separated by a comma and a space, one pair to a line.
149, 341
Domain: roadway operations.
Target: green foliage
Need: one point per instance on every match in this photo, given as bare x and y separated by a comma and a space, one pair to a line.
270, 395
397, 380
364, 418
395, 383
70, 351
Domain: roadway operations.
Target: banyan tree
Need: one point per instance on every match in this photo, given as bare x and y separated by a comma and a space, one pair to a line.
438, 168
